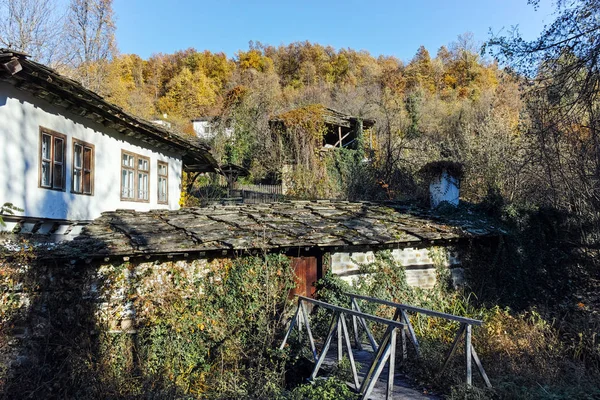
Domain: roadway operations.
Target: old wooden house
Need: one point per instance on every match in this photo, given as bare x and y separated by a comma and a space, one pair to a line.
341, 130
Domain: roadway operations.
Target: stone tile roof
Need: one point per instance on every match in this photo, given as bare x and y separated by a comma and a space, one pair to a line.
269, 227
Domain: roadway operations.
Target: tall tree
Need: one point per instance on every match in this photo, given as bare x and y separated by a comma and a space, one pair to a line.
30, 26
563, 68
90, 30
419, 71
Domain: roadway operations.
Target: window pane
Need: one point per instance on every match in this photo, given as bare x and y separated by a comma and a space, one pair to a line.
127, 160
162, 169
58, 150
162, 189
142, 186
123, 183
87, 182
127, 184
130, 178
46, 143
143, 164
45, 173
77, 181
77, 162
57, 176
87, 158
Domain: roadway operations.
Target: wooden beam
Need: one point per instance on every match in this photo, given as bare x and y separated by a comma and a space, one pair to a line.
464, 320
370, 317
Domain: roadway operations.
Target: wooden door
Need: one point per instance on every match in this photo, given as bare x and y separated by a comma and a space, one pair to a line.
305, 269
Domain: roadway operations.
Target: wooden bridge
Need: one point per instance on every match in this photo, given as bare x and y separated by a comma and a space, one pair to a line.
379, 357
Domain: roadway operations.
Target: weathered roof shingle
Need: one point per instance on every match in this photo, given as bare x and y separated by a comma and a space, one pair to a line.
271, 227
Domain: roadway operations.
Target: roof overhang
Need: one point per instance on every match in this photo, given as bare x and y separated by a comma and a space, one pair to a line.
47, 84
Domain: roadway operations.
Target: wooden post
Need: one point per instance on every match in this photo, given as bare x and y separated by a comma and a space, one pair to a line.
391, 365
411, 331
377, 364
309, 331
292, 323
349, 348
357, 342
332, 329
453, 348
340, 135
480, 368
340, 354
404, 352
372, 340
468, 355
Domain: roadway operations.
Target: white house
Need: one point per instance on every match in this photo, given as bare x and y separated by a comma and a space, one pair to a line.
67, 154
206, 129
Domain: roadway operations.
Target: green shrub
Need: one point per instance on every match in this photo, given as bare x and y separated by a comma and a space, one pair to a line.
323, 389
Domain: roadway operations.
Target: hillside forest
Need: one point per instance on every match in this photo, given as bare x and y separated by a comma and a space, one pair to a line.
521, 118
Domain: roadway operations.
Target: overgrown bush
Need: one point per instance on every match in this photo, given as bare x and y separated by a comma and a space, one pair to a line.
204, 330
524, 353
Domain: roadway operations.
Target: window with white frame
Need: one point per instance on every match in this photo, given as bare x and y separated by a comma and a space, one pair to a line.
83, 168
52, 159
135, 177
163, 182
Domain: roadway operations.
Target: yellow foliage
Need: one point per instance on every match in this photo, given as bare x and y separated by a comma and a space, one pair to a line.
189, 94
254, 59
308, 119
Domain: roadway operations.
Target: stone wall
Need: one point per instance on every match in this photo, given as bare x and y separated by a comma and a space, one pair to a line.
420, 264
46, 300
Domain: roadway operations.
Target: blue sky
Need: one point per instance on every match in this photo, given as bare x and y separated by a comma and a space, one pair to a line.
395, 28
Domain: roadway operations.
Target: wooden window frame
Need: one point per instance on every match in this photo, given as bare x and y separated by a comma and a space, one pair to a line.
84, 145
166, 177
136, 171
53, 135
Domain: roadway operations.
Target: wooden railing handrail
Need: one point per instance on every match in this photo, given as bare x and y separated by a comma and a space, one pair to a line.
389, 322
464, 320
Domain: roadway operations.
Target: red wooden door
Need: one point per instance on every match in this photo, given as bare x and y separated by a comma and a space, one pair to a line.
305, 269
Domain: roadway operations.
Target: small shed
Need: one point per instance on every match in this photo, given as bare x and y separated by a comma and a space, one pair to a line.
341, 129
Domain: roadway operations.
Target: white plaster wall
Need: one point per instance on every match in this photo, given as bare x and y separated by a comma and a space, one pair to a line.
200, 129
444, 188
420, 266
21, 116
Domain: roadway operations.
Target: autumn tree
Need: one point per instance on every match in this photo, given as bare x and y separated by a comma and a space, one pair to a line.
90, 32
126, 85
563, 71
419, 72
189, 95
30, 26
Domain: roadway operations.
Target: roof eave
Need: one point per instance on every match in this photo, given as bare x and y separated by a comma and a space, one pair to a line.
44, 83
